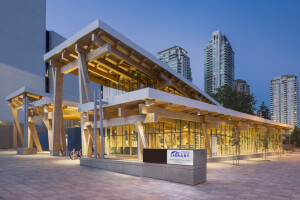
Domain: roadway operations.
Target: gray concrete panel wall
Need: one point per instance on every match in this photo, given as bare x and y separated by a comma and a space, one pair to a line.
22, 39
22, 34
12, 79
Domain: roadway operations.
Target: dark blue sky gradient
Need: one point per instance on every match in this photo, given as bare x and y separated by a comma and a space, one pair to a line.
263, 33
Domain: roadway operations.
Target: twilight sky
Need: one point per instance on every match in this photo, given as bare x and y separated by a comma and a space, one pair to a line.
261, 32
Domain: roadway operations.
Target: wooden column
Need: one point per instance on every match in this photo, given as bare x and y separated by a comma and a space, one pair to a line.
281, 142
63, 135
91, 140
57, 112
17, 124
33, 136
29, 135
48, 124
143, 141
84, 83
99, 149
254, 140
15, 135
88, 145
25, 107
206, 139
84, 96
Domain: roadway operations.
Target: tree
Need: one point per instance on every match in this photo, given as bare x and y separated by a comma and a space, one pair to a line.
234, 140
295, 137
263, 111
265, 144
234, 100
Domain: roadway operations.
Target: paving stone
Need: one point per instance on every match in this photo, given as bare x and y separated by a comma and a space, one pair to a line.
45, 177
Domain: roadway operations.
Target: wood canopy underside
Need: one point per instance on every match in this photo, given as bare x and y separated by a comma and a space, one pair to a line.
113, 64
40, 112
159, 111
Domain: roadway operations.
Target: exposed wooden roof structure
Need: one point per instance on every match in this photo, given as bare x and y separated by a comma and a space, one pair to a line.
41, 105
168, 107
115, 61
38, 107
154, 92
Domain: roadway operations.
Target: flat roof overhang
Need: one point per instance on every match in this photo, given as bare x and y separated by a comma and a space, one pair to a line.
111, 56
41, 105
166, 106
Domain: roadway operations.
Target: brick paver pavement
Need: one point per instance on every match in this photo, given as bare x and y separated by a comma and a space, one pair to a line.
44, 177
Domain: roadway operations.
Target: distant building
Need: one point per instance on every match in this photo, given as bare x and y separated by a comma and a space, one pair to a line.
284, 99
241, 85
263, 111
218, 63
176, 57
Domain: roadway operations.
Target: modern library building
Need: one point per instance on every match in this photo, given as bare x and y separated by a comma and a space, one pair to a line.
144, 104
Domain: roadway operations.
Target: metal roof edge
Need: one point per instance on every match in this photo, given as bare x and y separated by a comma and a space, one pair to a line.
27, 90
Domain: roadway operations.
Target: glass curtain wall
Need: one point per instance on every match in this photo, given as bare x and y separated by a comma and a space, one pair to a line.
136, 82
121, 140
274, 141
181, 134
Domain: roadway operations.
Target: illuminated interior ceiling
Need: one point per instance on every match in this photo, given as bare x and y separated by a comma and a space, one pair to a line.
115, 61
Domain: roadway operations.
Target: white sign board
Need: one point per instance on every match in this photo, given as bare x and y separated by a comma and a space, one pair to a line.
180, 157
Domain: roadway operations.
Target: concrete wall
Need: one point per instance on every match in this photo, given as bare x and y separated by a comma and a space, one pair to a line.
22, 39
6, 136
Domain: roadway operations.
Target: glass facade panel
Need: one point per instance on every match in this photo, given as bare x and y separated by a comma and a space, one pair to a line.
180, 134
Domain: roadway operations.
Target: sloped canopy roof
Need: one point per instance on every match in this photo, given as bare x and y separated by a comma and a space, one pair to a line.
119, 57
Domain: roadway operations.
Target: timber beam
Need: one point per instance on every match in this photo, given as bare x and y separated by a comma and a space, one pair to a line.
143, 109
123, 56
93, 55
114, 68
117, 121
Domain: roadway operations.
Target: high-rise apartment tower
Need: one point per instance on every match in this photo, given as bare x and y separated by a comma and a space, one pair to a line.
218, 63
241, 85
284, 99
176, 57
